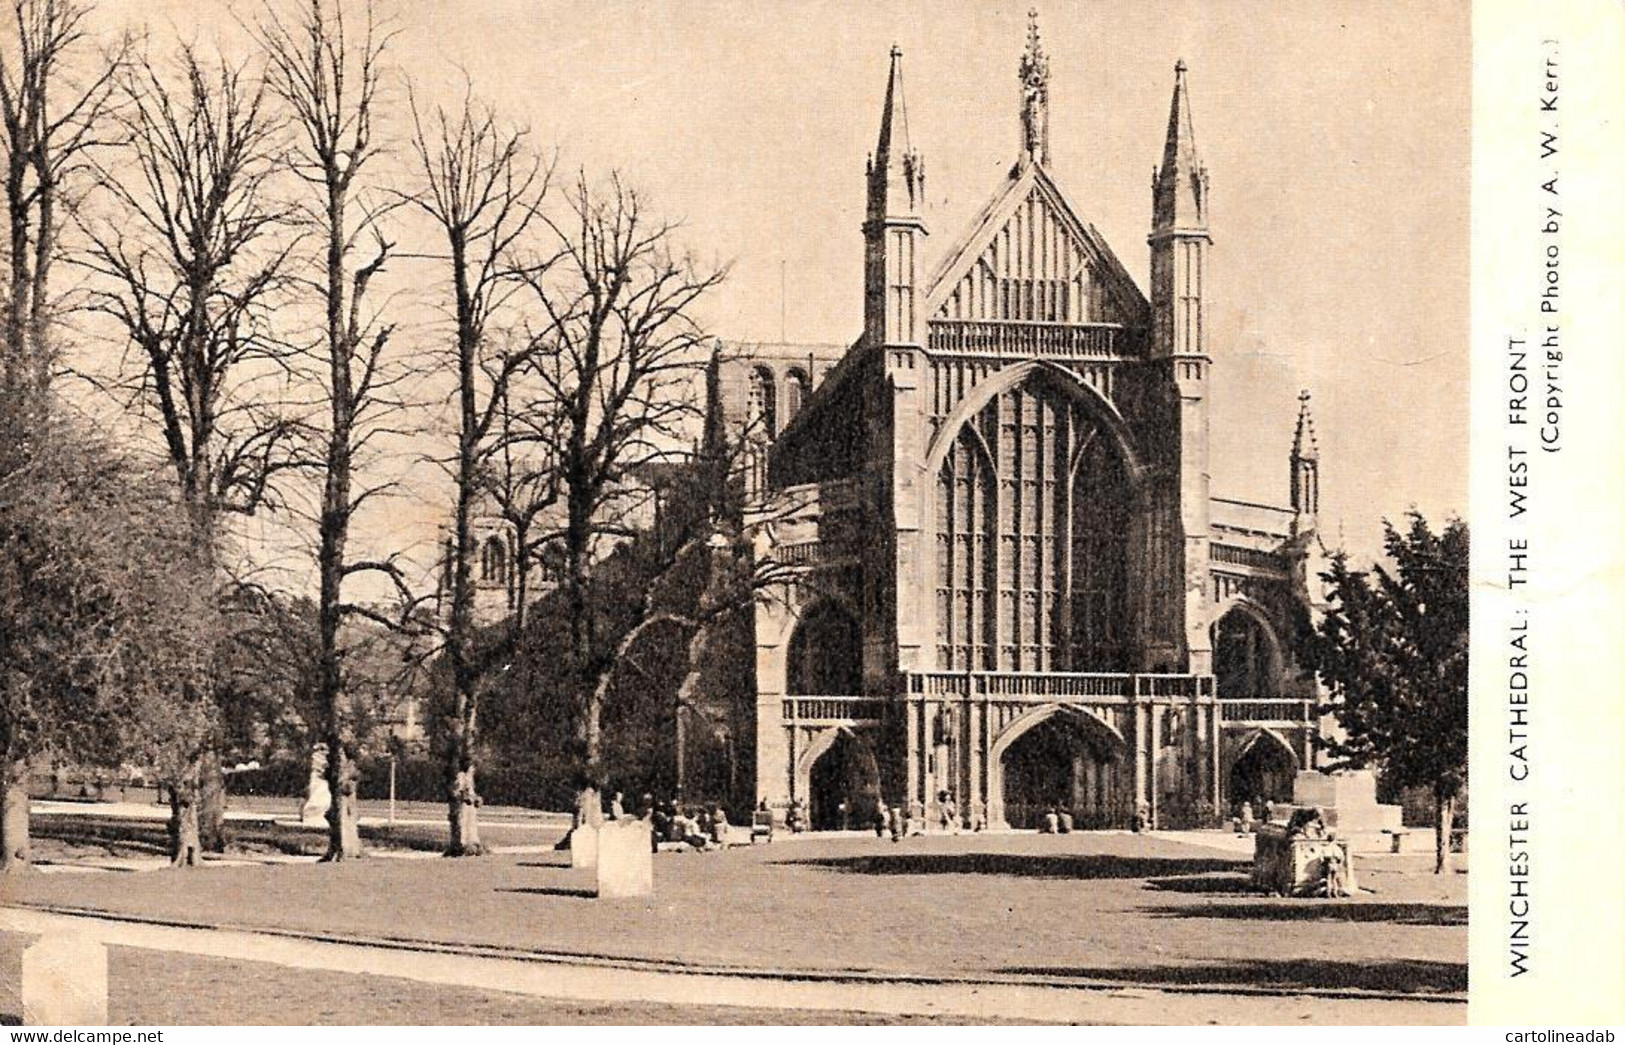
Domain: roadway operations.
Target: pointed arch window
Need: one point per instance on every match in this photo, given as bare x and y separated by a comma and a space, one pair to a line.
762, 410
1032, 524
797, 390
494, 561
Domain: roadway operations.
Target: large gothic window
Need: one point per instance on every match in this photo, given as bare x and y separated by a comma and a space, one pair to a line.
826, 653
1032, 524
1244, 658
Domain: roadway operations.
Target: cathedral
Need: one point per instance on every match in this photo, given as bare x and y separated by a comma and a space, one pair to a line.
1014, 591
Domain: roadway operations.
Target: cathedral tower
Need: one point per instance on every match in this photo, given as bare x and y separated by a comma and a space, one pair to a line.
1179, 247
893, 227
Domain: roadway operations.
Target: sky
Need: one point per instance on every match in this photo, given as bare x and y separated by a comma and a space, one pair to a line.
1336, 137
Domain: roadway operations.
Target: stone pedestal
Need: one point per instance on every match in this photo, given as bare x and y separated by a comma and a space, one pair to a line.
65, 982
1348, 803
625, 859
584, 845
1297, 866
318, 799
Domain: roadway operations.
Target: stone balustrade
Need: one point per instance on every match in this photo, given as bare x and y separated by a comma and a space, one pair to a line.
1026, 339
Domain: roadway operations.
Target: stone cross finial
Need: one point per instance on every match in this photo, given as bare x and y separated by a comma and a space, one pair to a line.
1033, 73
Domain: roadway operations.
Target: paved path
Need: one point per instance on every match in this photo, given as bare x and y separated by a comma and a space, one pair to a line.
599, 981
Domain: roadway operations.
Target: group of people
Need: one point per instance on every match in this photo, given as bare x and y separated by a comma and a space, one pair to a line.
900, 820
1057, 821
701, 825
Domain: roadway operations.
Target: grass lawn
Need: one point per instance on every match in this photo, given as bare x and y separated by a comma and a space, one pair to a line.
150, 988
1107, 907
61, 838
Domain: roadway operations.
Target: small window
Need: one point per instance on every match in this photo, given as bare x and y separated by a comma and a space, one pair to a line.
494, 561
763, 407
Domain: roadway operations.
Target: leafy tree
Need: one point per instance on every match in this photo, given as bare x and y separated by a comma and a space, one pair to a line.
104, 622
1392, 648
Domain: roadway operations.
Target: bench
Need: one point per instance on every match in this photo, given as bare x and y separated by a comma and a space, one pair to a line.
762, 824
1396, 838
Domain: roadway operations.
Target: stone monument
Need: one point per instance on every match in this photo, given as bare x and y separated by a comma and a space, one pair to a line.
1348, 803
65, 981
625, 859
318, 799
584, 845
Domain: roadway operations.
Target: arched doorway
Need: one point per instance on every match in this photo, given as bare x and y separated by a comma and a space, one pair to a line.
846, 772
1263, 771
1068, 760
1246, 656
825, 656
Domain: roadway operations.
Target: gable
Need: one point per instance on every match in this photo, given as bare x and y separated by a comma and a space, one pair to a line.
1028, 257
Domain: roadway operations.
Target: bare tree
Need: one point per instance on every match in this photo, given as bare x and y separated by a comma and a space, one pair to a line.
329, 74
622, 360
190, 263
51, 120
522, 483
483, 192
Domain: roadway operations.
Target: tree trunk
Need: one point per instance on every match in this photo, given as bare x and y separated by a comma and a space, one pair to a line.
1444, 808
211, 816
343, 827
589, 806
463, 815
184, 848
16, 852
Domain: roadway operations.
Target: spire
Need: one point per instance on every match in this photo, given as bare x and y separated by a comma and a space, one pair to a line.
896, 172
1180, 190
1304, 447
1305, 463
1033, 72
892, 226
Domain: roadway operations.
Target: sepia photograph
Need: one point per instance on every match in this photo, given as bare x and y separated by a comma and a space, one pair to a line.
704, 513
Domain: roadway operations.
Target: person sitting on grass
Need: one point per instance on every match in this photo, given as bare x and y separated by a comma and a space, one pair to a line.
693, 832
719, 825
1052, 822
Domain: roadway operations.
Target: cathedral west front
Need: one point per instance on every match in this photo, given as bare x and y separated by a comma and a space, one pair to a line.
1013, 586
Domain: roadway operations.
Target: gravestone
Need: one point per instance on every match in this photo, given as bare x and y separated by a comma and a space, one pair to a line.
625, 859
584, 845
318, 799
65, 981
